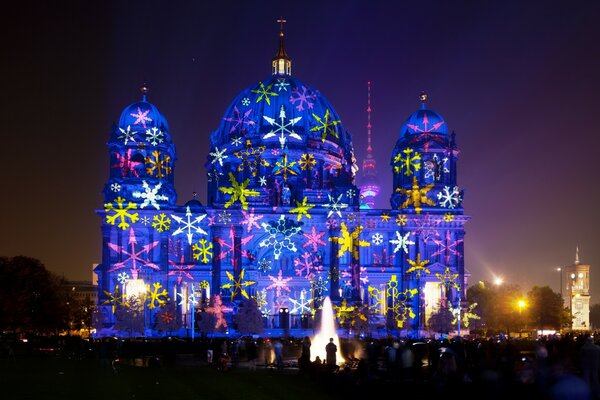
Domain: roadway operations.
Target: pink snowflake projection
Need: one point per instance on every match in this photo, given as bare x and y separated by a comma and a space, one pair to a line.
307, 265
331, 223
230, 248
280, 235
127, 165
383, 260
370, 223
240, 120
426, 133
314, 239
280, 284
251, 220
281, 303
181, 270
304, 97
447, 247
426, 227
218, 310
133, 258
351, 276
141, 117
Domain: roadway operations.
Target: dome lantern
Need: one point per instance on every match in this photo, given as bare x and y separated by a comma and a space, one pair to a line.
282, 64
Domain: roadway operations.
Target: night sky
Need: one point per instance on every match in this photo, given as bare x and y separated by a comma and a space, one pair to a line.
517, 80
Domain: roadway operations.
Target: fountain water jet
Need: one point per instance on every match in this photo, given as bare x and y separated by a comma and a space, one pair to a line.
327, 330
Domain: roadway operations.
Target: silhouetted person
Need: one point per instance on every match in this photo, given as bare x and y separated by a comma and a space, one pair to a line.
331, 350
278, 347
589, 356
305, 355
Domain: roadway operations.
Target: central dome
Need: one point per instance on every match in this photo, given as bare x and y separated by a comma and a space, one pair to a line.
282, 112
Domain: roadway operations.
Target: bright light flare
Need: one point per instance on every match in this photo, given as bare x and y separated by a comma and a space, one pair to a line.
320, 340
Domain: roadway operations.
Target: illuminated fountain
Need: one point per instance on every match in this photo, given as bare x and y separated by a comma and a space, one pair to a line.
320, 340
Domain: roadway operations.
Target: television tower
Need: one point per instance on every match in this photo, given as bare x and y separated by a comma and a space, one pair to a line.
369, 186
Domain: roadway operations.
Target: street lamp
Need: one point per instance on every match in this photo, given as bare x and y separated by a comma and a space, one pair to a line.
521, 304
498, 281
559, 269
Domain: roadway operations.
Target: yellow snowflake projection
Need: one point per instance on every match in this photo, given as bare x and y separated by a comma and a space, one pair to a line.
377, 296
400, 301
307, 162
410, 162
343, 311
237, 285
347, 240
466, 316
156, 297
264, 93
284, 166
238, 192
448, 217
418, 267
202, 251
261, 298
121, 212
416, 196
326, 126
161, 222
302, 208
385, 217
448, 279
401, 220
251, 158
204, 285
158, 166
115, 299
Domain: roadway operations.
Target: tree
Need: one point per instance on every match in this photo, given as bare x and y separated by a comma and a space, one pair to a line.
441, 321
248, 318
496, 306
546, 309
166, 319
130, 318
30, 297
595, 316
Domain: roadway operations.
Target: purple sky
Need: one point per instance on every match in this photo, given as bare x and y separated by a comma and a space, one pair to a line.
517, 80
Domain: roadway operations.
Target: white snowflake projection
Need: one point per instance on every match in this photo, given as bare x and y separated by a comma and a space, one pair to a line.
314, 239
281, 128
401, 242
435, 168
280, 284
304, 97
251, 158
351, 217
132, 257
224, 217
280, 235
449, 199
307, 265
218, 156
237, 141
127, 164
426, 227
214, 176
264, 93
202, 251
145, 220
320, 287
238, 285
238, 192
154, 136
301, 305
150, 195
189, 225
245, 101
158, 166
350, 193
115, 187
240, 120
127, 135
262, 180
251, 220
281, 85
180, 269
377, 239
447, 247
264, 265
335, 206
161, 223
409, 163
141, 117
121, 212
122, 278
157, 296
231, 248
383, 260
325, 126
302, 208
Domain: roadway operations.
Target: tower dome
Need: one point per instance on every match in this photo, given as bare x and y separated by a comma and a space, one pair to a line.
424, 121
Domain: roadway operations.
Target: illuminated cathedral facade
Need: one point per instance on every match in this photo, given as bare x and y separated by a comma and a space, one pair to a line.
285, 223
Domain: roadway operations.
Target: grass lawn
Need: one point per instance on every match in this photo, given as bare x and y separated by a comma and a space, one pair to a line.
56, 378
